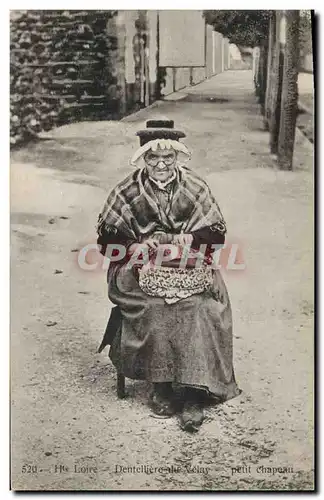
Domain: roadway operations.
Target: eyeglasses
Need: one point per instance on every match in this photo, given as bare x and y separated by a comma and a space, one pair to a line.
154, 160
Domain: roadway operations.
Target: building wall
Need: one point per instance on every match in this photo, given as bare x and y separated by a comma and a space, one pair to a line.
182, 47
218, 57
177, 79
209, 51
182, 38
167, 81
190, 51
198, 75
129, 18
152, 17
182, 78
226, 57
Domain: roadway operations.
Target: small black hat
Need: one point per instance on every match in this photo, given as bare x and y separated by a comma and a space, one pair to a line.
159, 129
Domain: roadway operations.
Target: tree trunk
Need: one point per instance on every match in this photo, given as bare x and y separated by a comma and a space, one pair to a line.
256, 68
260, 74
263, 74
271, 62
275, 89
289, 99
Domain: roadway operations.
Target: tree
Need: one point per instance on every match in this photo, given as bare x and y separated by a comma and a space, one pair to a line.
276, 66
305, 32
270, 66
249, 28
275, 89
289, 99
242, 27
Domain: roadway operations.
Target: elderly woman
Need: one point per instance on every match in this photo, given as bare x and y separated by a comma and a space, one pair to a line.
172, 325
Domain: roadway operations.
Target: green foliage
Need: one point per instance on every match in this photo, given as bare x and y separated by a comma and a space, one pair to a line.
242, 27
305, 32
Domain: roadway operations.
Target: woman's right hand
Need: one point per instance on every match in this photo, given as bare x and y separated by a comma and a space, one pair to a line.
150, 243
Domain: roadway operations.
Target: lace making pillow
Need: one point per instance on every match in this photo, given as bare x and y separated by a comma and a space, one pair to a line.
174, 284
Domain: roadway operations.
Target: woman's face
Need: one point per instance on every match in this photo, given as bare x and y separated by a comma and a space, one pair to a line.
160, 164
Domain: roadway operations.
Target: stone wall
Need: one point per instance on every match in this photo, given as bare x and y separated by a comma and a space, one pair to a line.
62, 68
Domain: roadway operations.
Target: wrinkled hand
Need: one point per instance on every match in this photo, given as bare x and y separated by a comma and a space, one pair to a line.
151, 244
182, 239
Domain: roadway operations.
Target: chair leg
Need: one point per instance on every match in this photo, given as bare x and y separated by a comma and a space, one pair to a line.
121, 386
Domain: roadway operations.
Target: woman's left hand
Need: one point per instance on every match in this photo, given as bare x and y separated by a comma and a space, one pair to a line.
182, 239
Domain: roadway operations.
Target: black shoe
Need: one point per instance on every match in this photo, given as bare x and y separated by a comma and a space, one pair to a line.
192, 416
161, 400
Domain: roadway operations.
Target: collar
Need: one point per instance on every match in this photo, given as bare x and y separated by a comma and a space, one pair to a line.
163, 185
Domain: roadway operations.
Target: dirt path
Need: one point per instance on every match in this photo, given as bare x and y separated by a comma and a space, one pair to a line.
65, 413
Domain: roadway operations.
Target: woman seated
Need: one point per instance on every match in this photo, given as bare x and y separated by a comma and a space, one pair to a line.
175, 327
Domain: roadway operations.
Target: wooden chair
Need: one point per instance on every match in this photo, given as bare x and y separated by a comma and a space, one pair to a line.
114, 324
121, 392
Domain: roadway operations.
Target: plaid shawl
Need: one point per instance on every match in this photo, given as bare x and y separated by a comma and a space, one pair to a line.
132, 207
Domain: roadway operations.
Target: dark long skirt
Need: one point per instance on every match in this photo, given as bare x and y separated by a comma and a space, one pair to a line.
189, 342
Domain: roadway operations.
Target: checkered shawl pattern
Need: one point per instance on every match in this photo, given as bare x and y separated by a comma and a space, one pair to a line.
132, 207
